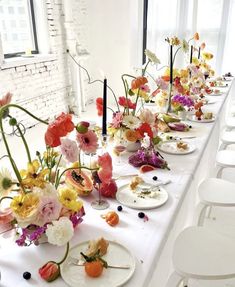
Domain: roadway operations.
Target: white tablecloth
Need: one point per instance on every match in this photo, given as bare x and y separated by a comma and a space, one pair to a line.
145, 240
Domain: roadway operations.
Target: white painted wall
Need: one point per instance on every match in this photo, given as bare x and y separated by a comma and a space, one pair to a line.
114, 41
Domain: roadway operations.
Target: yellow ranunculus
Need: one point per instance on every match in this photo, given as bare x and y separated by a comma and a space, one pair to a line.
69, 199
207, 56
32, 177
176, 72
24, 207
195, 61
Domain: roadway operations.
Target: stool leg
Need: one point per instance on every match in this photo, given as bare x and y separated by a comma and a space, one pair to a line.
209, 212
174, 280
200, 214
185, 282
219, 172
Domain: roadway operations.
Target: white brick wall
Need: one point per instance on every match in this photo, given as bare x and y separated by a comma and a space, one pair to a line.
44, 88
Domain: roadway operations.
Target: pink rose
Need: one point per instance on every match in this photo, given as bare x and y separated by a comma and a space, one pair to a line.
69, 149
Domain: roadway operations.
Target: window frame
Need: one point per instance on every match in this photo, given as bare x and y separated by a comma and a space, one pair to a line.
34, 34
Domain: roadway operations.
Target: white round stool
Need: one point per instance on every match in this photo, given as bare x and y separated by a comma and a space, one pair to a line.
230, 123
201, 253
214, 192
227, 138
225, 159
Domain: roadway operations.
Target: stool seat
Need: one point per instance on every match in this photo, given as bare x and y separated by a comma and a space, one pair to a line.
217, 192
226, 158
228, 137
204, 254
230, 122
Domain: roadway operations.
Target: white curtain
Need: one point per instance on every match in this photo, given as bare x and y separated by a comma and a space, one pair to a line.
214, 20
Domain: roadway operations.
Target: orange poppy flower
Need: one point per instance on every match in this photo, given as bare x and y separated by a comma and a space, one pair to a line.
138, 82
196, 36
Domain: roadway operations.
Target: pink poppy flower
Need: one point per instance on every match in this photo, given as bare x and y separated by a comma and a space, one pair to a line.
117, 120
88, 142
69, 149
145, 88
5, 100
106, 168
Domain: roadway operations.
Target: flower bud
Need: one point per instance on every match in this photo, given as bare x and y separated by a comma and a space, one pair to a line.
49, 271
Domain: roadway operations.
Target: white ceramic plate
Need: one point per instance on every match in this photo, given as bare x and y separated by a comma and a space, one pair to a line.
193, 118
170, 147
128, 198
117, 254
215, 94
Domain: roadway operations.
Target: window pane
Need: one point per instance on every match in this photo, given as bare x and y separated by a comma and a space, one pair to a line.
208, 24
16, 26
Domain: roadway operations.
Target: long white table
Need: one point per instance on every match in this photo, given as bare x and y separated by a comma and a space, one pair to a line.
150, 242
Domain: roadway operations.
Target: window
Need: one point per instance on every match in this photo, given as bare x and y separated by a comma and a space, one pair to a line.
17, 27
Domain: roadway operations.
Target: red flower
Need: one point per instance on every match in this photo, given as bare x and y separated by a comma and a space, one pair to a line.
99, 106
106, 168
109, 189
59, 128
5, 100
145, 128
49, 271
127, 103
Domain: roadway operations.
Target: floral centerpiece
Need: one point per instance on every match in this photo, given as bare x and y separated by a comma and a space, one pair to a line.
131, 120
43, 200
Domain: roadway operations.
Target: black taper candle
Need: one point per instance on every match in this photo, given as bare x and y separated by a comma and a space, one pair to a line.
171, 64
104, 119
191, 54
199, 53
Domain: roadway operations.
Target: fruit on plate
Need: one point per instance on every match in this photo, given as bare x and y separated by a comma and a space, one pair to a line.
180, 127
198, 114
146, 167
135, 182
79, 180
169, 118
99, 244
94, 268
208, 91
208, 115
162, 126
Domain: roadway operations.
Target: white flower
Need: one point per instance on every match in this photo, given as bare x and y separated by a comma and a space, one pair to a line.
49, 189
60, 232
146, 116
145, 143
152, 57
5, 181
185, 46
131, 122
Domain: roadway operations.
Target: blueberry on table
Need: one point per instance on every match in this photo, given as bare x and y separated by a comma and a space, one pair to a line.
119, 208
26, 275
155, 177
141, 214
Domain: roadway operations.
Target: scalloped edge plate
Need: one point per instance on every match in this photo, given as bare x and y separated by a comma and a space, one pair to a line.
162, 146
192, 118
117, 255
128, 198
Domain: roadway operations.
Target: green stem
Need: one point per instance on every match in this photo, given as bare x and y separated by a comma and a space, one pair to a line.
21, 108
25, 143
2, 109
65, 255
175, 55
169, 99
8, 149
145, 68
71, 168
